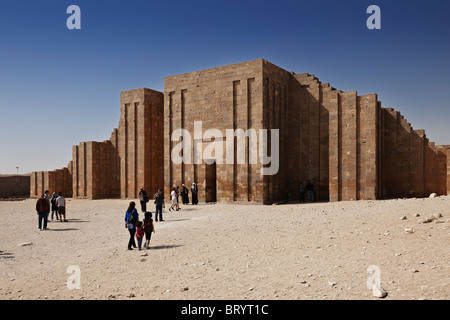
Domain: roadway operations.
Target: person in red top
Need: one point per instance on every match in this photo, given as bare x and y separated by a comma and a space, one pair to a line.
139, 233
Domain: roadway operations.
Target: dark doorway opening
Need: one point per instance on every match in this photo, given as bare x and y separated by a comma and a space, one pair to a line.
211, 182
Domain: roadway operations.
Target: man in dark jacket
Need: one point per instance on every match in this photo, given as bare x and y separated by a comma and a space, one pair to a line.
42, 209
159, 202
143, 198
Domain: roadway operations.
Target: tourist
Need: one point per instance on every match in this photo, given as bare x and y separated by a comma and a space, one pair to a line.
159, 202
61, 203
302, 192
48, 199
54, 206
184, 194
173, 196
310, 191
148, 229
42, 209
143, 198
131, 218
194, 191
139, 233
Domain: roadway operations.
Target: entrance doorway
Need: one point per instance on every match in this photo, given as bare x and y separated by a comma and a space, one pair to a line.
211, 182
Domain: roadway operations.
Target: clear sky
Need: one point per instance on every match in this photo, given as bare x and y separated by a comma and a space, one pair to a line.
59, 87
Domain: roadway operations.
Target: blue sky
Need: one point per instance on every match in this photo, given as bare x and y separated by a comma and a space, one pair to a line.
59, 87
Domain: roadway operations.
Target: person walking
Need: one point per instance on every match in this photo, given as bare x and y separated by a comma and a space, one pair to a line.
143, 198
148, 229
54, 206
139, 234
184, 194
42, 209
131, 218
159, 202
61, 203
194, 191
173, 196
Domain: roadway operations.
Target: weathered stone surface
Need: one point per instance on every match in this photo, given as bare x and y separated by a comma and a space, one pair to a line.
349, 146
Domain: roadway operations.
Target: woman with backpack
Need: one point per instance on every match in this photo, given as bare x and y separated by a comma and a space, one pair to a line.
131, 218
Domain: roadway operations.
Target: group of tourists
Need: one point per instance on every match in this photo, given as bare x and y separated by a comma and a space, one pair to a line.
184, 193
55, 204
138, 229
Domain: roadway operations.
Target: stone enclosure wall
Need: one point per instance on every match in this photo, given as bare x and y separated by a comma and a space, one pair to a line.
349, 145
14, 186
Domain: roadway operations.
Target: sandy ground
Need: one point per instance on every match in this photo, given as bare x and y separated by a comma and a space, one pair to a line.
223, 251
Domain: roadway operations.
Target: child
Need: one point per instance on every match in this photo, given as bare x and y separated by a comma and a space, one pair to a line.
148, 228
139, 233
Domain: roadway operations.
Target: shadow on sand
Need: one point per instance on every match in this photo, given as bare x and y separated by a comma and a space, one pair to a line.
166, 247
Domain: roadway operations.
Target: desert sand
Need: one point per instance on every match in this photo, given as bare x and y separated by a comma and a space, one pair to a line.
228, 251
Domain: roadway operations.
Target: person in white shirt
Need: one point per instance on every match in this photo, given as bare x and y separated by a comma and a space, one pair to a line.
61, 203
173, 196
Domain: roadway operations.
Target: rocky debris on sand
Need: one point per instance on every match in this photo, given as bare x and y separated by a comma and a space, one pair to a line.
433, 217
24, 244
378, 291
433, 195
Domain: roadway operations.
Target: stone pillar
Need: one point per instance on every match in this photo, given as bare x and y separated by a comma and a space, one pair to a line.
367, 116
416, 163
140, 132
349, 146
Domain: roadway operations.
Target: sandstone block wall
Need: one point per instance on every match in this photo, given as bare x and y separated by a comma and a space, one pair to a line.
95, 170
140, 142
15, 186
59, 180
338, 148
132, 158
412, 166
350, 146
222, 98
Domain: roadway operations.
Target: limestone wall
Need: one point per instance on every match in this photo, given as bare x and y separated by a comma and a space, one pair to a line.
59, 180
140, 142
14, 186
222, 98
349, 145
